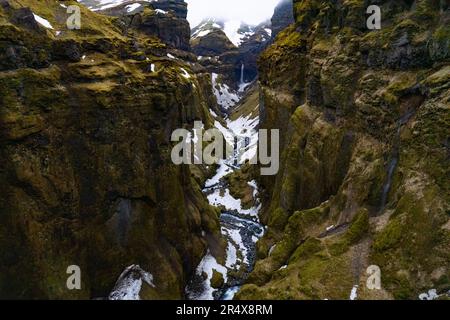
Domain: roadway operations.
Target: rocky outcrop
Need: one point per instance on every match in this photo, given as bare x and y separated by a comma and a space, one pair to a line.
282, 16
170, 29
165, 20
215, 43
178, 7
364, 174
87, 179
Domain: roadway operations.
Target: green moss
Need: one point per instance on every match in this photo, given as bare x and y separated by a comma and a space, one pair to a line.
426, 10
397, 87
278, 218
390, 236
359, 227
306, 250
217, 280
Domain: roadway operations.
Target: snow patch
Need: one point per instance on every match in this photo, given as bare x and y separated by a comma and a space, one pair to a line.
129, 284
106, 4
231, 256
43, 22
185, 74
432, 295
224, 95
132, 7
207, 266
354, 293
231, 29
271, 249
201, 33
213, 113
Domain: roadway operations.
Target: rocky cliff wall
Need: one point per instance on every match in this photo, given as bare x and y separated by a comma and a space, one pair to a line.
86, 177
365, 157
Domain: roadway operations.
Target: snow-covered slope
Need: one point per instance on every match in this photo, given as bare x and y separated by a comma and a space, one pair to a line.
96, 5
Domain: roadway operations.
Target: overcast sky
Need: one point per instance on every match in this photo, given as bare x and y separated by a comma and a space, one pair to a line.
250, 11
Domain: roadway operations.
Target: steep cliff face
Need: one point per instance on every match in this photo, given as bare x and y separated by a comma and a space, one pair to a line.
163, 19
214, 43
365, 157
230, 49
282, 16
86, 176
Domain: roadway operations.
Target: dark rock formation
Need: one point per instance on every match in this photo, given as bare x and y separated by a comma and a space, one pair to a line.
363, 120
282, 16
165, 19
178, 7
170, 29
86, 176
249, 51
212, 44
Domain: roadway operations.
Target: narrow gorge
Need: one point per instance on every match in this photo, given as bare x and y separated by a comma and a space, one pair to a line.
88, 181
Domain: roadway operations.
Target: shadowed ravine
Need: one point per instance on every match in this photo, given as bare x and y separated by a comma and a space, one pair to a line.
240, 227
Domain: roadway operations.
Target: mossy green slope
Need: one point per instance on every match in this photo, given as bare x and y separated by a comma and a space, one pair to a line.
86, 117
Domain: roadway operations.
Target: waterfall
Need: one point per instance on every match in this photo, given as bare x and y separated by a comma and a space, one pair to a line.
388, 184
394, 159
242, 73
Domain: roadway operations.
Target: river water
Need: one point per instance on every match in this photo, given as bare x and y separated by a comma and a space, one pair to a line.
240, 227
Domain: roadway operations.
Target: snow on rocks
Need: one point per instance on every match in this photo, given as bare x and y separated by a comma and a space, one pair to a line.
235, 239
220, 198
213, 113
231, 29
433, 295
201, 33
271, 249
231, 256
221, 172
206, 268
226, 98
254, 186
107, 4
185, 74
129, 284
354, 293
132, 7
43, 22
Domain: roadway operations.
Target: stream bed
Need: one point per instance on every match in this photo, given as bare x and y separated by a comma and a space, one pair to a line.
240, 227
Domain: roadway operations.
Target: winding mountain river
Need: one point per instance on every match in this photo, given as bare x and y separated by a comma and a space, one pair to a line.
240, 227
